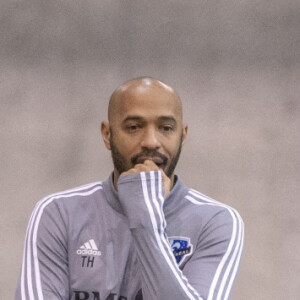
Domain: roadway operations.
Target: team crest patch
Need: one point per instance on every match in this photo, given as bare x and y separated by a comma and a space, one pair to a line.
181, 247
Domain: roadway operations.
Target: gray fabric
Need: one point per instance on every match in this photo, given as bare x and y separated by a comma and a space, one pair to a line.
94, 243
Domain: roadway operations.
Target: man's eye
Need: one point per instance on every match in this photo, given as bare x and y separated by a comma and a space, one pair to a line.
167, 128
132, 127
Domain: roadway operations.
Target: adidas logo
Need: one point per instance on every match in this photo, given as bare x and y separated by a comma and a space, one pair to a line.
89, 248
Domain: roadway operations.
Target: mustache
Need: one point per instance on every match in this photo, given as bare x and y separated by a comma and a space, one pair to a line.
149, 153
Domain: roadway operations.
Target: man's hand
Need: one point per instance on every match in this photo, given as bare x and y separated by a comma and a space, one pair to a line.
148, 166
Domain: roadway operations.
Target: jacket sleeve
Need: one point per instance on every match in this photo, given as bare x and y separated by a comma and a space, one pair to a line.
142, 198
44, 274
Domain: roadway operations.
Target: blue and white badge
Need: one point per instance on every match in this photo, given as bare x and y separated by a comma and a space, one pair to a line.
181, 247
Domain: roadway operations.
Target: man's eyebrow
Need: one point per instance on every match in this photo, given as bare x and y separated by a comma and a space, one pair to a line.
132, 118
159, 118
167, 119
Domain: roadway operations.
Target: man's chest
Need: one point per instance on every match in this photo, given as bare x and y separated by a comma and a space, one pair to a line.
103, 261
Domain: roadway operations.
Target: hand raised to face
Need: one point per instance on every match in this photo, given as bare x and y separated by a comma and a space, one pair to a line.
147, 166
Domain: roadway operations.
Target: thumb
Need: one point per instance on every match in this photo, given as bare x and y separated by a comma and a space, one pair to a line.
166, 184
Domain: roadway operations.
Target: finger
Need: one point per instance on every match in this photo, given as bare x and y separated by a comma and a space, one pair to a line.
151, 164
143, 167
139, 168
147, 166
166, 183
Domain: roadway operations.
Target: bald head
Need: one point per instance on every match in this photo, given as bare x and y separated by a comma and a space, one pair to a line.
143, 89
145, 123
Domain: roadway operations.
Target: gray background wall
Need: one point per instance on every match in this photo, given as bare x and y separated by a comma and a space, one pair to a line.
236, 65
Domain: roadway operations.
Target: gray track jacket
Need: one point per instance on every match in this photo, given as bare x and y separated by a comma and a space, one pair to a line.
93, 243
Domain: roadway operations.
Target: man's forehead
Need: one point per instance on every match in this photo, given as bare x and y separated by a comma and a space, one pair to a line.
144, 95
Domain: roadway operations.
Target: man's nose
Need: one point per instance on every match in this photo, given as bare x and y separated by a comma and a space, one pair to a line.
150, 139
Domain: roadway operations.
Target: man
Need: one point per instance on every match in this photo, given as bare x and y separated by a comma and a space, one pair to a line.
141, 234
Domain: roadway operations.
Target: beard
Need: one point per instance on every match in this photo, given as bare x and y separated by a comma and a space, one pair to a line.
122, 165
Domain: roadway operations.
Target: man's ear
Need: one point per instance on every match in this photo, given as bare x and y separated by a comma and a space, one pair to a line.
184, 133
106, 134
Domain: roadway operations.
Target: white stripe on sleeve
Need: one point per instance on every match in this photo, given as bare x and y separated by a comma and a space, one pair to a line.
160, 238
31, 249
236, 243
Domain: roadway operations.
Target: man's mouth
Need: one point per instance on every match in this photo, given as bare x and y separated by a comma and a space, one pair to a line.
159, 159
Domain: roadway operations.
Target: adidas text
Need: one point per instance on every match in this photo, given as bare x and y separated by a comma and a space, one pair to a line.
89, 248
88, 252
